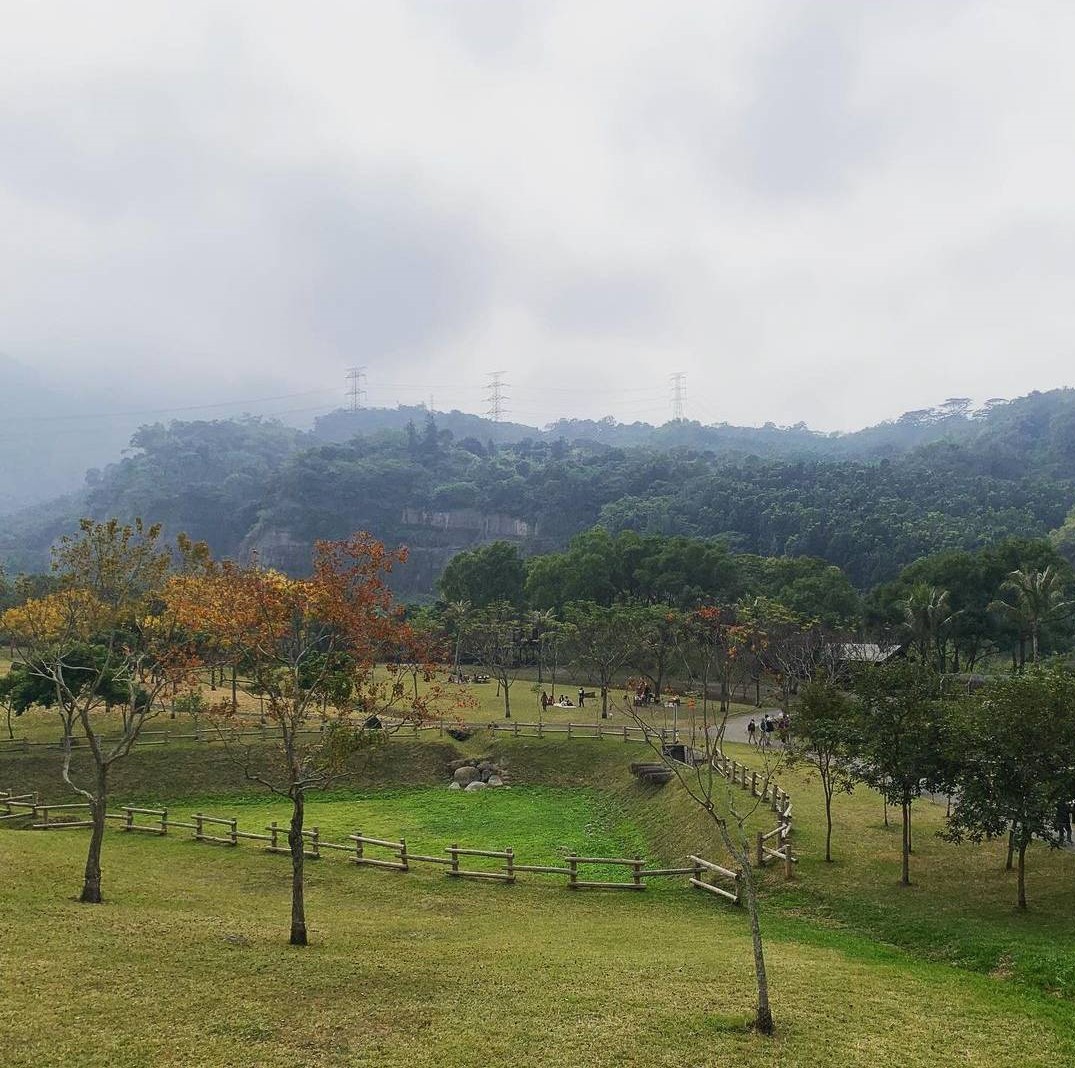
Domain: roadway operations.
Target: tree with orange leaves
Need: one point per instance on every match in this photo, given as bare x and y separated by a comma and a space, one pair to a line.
332, 646
102, 641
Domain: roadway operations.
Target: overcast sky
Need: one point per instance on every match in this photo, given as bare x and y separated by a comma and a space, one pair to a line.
830, 212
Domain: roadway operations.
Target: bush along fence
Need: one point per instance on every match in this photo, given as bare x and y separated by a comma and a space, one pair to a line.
265, 732
489, 865
769, 845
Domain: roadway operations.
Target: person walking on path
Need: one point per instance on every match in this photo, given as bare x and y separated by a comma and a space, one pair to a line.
544, 701
752, 729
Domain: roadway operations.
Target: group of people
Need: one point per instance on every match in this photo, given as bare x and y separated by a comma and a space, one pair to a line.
563, 701
761, 734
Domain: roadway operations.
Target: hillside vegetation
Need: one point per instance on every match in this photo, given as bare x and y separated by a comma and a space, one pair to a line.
869, 503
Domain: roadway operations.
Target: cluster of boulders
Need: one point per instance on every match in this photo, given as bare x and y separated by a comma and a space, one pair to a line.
475, 773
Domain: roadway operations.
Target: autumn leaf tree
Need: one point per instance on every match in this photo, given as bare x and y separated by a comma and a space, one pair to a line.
102, 641
330, 657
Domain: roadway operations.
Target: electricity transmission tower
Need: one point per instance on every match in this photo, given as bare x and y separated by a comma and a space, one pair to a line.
496, 396
356, 391
679, 393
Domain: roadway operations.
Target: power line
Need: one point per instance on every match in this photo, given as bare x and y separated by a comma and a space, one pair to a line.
160, 411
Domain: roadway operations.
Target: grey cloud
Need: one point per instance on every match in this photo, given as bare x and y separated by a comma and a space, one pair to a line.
801, 135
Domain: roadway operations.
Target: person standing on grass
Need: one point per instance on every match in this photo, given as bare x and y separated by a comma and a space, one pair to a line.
544, 701
752, 729
1063, 821
582, 697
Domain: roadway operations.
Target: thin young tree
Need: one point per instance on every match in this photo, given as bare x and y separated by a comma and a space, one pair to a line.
332, 643
604, 639
901, 737
1014, 761
494, 638
709, 640
823, 739
102, 641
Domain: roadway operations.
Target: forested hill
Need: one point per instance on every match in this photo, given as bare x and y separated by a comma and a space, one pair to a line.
251, 483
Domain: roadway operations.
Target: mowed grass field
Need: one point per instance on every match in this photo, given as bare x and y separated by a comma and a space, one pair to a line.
187, 962
472, 703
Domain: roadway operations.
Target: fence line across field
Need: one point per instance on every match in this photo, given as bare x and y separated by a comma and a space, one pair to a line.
778, 799
465, 863
517, 729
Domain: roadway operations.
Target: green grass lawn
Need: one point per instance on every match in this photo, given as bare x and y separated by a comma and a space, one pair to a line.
186, 963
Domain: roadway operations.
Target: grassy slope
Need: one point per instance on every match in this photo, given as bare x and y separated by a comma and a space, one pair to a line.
419, 970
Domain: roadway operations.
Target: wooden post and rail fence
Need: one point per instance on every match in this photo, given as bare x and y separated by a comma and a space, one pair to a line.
599, 730
460, 862
779, 800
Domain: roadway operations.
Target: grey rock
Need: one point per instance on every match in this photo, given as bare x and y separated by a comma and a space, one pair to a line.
466, 775
454, 786
475, 786
494, 780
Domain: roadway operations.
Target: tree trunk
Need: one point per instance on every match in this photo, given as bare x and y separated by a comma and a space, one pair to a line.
298, 858
234, 690
1024, 841
1034, 644
763, 1019
906, 876
1010, 862
91, 885
828, 822
507, 704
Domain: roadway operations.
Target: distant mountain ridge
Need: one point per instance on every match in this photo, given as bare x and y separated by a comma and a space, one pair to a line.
870, 501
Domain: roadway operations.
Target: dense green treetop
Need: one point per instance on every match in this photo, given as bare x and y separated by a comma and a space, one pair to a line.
941, 480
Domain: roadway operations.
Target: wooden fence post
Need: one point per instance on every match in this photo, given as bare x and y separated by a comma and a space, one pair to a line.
510, 863
754, 783
573, 875
234, 831
569, 732
197, 826
404, 865
625, 732
637, 870
128, 822
455, 858
164, 821
789, 863
315, 843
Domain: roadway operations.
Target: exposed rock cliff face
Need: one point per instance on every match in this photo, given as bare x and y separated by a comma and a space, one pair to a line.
432, 538
468, 522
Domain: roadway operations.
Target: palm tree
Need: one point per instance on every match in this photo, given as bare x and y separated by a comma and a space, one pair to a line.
927, 613
1039, 597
